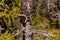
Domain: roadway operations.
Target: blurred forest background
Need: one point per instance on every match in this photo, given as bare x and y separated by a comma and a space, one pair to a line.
42, 18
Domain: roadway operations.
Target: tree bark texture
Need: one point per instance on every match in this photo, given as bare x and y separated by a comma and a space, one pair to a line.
28, 31
26, 9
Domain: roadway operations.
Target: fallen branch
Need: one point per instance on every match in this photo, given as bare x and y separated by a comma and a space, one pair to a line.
44, 33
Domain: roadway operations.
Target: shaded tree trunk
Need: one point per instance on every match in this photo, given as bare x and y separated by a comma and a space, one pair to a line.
26, 9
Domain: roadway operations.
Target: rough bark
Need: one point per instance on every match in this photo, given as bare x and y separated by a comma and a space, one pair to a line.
26, 9
28, 31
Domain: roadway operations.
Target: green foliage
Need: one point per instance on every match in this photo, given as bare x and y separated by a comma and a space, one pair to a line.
39, 21
7, 36
8, 16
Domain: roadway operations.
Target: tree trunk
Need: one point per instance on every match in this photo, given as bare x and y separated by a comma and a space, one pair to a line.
26, 9
28, 31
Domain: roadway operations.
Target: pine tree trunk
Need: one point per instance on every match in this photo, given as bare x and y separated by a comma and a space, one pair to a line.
26, 9
28, 31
